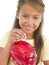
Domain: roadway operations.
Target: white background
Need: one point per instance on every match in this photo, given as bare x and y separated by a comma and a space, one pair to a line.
8, 12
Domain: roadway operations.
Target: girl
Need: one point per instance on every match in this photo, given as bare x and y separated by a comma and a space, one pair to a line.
28, 22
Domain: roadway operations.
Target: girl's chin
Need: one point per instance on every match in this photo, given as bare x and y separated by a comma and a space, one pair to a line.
29, 32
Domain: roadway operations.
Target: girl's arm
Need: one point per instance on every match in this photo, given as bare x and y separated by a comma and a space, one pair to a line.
46, 62
4, 54
15, 35
45, 52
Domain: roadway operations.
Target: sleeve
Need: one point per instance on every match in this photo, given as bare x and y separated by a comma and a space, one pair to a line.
45, 50
4, 40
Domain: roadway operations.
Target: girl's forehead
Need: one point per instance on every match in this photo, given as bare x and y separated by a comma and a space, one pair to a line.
26, 8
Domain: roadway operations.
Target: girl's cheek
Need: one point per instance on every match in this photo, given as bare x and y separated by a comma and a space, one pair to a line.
22, 20
36, 25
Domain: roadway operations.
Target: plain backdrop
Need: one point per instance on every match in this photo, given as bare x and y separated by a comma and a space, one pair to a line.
8, 12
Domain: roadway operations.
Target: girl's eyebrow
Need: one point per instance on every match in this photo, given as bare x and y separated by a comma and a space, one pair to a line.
32, 15
24, 13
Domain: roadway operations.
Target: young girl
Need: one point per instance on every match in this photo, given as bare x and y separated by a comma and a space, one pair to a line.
27, 26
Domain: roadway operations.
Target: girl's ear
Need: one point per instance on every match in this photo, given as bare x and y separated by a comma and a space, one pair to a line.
17, 15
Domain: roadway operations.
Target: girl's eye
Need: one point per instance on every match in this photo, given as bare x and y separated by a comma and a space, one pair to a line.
36, 17
25, 16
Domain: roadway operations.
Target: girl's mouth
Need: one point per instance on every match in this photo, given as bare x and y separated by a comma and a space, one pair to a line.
28, 27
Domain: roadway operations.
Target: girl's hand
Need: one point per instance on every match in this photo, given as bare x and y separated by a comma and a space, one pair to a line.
15, 35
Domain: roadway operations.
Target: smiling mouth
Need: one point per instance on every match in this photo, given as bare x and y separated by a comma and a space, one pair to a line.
28, 27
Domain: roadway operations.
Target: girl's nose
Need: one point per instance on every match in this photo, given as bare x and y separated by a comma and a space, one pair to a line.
30, 21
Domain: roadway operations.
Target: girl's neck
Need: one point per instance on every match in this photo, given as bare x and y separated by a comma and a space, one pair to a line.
29, 36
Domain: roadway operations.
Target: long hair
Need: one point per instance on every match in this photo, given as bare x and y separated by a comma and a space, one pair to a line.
38, 41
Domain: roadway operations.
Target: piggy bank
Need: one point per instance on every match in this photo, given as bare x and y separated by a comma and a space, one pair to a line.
23, 53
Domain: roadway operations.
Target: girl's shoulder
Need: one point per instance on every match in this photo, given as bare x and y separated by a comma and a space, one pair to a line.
7, 32
45, 39
45, 50
4, 39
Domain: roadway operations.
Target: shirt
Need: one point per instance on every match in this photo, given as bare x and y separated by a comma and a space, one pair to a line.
44, 53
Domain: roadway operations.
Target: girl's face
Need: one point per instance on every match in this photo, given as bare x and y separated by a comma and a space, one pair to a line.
29, 18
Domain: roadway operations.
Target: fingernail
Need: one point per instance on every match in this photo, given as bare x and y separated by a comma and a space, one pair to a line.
24, 36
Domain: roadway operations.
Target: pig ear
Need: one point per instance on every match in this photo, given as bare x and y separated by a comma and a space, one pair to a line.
17, 14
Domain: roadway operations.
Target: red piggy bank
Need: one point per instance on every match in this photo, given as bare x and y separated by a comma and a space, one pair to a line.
23, 53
